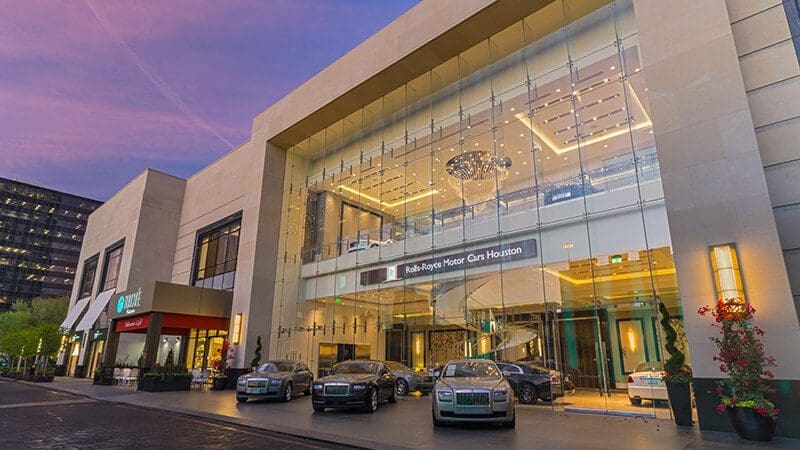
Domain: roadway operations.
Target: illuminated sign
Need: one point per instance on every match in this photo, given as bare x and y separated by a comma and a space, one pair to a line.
127, 303
458, 261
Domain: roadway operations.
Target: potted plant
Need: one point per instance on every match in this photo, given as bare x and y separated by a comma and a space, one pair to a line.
257, 354
744, 394
169, 377
677, 375
220, 377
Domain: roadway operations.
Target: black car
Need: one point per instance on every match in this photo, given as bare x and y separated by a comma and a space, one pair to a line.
531, 381
354, 384
279, 379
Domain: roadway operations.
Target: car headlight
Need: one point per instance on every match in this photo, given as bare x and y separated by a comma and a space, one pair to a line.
317, 386
275, 382
444, 395
500, 395
359, 387
241, 381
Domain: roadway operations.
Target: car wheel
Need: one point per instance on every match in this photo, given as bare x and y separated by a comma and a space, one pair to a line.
511, 423
372, 406
287, 396
635, 401
402, 387
436, 422
241, 399
527, 394
318, 408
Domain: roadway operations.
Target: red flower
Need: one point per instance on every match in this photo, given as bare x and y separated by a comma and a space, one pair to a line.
720, 409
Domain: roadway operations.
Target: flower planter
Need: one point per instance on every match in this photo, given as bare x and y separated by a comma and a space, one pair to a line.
164, 383
680, 400
750, 425
218, 384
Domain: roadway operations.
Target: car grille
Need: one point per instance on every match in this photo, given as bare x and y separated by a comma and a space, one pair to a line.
256, 383
336, 389
472, 398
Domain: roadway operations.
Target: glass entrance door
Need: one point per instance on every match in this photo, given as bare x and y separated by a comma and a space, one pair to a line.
582, 358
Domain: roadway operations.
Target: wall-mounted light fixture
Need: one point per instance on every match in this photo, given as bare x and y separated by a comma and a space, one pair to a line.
237, 329
727, 276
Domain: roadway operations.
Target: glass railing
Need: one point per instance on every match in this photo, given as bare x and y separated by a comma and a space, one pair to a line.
608, 178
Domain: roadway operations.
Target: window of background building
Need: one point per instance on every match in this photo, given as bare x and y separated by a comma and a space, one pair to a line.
87, 279
216, 255
112, 265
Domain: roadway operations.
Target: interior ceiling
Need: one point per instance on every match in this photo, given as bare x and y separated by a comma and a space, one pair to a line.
406, 179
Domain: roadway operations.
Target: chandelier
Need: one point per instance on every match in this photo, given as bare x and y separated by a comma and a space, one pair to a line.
473, 176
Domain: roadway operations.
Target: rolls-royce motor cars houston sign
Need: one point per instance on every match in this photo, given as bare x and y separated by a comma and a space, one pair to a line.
512, 251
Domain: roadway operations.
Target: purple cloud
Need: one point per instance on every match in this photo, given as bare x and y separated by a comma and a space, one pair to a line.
92, 92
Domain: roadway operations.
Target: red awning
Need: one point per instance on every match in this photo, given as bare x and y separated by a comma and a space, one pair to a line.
171, 322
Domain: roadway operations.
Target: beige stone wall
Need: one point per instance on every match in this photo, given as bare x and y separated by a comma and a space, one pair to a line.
771, 74
714, 182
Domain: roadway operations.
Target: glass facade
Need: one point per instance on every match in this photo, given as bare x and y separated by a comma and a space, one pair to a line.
41, 232
113, 261
506, 204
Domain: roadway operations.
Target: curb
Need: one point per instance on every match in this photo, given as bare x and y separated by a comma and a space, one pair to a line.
302, 433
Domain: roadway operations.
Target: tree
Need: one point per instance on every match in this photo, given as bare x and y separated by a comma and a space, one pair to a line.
257, 358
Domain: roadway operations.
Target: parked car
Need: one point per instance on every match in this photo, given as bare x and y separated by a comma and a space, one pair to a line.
275, 379
645, 383
472, 390
531, 381
363, 244
354, 384
409, 380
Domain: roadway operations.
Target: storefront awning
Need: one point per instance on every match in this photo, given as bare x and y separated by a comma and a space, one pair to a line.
94, 311
74, 313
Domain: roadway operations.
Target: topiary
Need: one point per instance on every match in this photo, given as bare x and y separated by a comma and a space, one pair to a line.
257, 358
675, 367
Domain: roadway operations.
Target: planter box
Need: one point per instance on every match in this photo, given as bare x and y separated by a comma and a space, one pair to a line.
165, 383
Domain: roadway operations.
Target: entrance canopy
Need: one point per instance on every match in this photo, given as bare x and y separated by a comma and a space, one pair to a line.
73, 314
174, 299
94, 311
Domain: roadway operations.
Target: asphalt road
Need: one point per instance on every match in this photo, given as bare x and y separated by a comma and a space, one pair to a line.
37, 418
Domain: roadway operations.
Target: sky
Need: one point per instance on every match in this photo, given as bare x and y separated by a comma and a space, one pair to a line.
92, 92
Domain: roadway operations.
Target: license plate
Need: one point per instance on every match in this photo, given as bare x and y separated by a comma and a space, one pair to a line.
256, 390
652, 380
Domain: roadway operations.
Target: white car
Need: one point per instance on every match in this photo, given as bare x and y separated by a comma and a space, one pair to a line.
363, 244
646, 383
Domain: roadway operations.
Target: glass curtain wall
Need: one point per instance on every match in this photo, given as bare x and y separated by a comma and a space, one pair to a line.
506, 204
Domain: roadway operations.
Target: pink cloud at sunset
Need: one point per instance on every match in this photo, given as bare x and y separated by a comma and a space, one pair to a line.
92, 92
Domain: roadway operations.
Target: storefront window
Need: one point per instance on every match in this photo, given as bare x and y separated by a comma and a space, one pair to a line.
506, 204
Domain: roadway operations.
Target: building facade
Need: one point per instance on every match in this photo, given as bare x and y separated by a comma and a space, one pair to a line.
41, 232
516, 180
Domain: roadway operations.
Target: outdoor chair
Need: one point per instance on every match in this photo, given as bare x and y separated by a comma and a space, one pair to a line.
117, 375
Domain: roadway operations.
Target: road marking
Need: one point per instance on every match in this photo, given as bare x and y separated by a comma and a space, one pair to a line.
48, 403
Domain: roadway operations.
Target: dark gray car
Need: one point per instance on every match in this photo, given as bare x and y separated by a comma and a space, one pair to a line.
279, 379
409, 380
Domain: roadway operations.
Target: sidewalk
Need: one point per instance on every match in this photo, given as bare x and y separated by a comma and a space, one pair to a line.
407, 424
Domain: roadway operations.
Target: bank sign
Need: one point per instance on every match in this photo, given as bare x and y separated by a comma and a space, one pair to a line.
513, 251
127, 303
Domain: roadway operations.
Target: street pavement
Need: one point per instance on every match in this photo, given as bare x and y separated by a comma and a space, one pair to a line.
32, 417
407, 424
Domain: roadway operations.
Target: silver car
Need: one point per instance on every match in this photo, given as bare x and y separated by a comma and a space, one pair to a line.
279, 379
472, 390
409, 380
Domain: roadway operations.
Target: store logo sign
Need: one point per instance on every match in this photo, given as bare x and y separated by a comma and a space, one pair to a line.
459, 261
128, 303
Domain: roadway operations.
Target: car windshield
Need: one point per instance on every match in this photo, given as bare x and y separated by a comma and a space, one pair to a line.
651, 367
393, 365
354, 368
469, 369
276, 366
